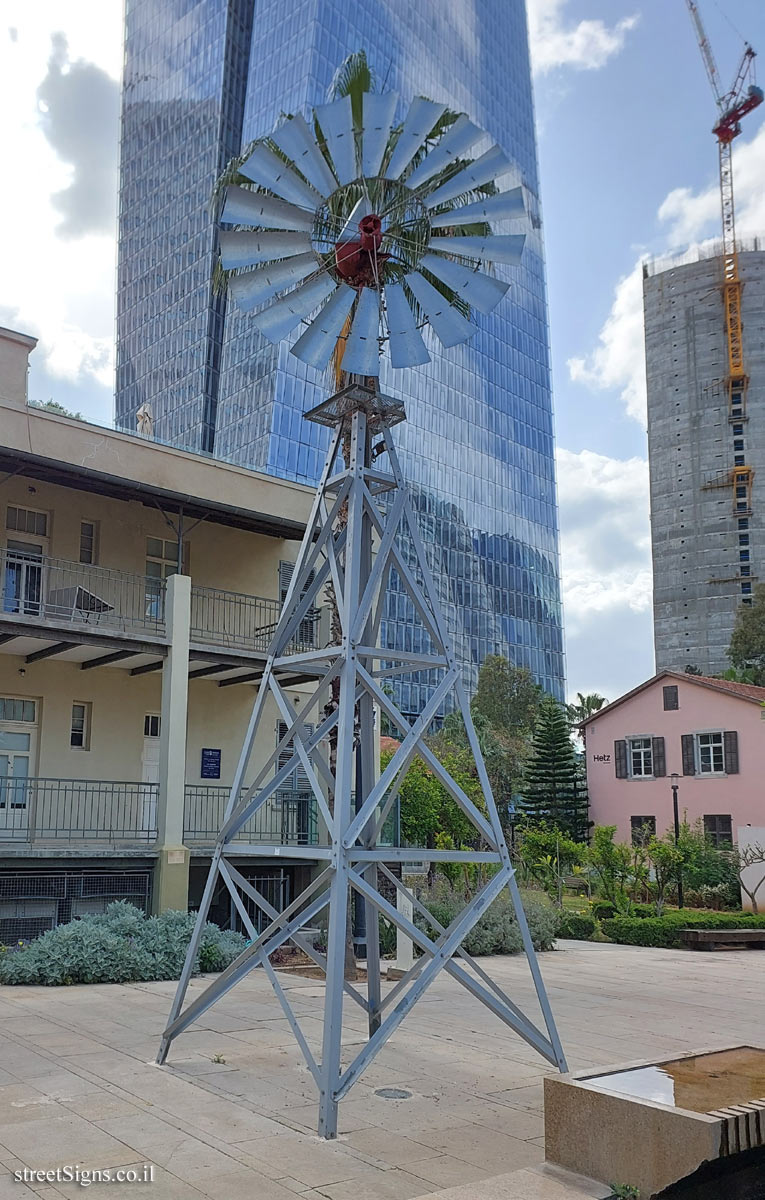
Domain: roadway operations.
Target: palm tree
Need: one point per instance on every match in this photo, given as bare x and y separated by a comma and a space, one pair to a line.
585, 706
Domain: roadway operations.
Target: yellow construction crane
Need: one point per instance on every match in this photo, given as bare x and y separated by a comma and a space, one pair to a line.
740, 99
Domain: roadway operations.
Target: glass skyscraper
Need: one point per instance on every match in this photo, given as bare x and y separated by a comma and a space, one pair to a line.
204, 78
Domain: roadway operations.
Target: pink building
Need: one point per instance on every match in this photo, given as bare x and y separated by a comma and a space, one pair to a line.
708, 731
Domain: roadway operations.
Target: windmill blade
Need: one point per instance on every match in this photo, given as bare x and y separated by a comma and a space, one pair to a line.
505, 206
315, 346
407, 349
336, 122
280, 318
362, 352
449, 326
243, 207
244, 248
420, 120
295, 138
481, 291
456, 141
377, 116
488, 167
254, 287
499, 248
266, 168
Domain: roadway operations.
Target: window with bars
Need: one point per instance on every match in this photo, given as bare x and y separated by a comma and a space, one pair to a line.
719, 829
79, 735
640, 757
26, 520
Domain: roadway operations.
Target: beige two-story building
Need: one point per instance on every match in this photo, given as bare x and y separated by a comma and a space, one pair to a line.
140, 586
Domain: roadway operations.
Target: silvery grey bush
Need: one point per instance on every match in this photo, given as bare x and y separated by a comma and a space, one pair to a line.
121, 945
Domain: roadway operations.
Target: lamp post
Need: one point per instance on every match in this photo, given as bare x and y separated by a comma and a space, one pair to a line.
674, 777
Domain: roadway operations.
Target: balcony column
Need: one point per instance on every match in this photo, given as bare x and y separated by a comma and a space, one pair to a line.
171, 883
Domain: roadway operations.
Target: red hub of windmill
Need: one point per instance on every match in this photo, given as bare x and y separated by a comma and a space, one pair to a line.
359, 261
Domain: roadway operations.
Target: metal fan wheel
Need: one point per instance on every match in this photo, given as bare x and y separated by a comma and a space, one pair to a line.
381, 228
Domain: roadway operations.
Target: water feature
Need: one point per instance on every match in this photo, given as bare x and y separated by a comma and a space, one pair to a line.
703, 1083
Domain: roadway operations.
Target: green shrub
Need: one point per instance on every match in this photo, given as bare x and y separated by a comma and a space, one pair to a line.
497, 931
576, 925
664, 931
118, 946
603, 910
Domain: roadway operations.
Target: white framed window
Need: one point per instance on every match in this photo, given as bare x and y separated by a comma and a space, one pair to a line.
640, 757
89, 542
710, 753
79, 735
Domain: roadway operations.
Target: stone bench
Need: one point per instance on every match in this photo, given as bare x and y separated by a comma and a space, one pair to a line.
723, 939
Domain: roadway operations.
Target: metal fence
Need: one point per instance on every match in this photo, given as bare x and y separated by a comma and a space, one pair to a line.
77, 810
40, 589
290, 818
247, 622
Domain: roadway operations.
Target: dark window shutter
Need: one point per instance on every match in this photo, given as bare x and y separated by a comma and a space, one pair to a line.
689, 759
730, 744
620, 759
659, 757
670, 697
297, 780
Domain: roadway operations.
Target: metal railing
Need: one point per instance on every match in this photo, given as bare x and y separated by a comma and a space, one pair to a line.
77, 810
44, 590
289, 819
224, 618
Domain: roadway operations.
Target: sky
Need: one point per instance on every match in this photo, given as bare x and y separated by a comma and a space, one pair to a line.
628, 173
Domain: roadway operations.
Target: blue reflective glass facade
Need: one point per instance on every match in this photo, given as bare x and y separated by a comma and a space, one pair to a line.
478, 443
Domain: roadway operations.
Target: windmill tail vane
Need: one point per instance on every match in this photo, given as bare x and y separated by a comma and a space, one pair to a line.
401, 254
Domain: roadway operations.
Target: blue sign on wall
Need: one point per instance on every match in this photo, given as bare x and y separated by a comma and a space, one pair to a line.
210, 768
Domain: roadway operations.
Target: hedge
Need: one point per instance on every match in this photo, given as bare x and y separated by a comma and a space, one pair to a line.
664, 931
580, 926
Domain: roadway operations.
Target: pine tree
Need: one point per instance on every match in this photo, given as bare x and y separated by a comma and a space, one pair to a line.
554, 789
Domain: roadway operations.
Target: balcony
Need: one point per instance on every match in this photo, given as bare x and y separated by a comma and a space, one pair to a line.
38, 590
290, 819
241, 622
91, 814
88, 603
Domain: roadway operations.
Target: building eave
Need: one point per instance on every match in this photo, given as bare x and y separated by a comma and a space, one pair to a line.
679, 675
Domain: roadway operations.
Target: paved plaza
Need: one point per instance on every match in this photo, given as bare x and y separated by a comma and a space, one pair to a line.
234, 1113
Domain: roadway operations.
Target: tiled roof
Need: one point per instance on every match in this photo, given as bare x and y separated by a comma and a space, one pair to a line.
728, 685
745, 691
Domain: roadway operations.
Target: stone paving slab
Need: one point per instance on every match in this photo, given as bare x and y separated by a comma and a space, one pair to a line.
78, 1083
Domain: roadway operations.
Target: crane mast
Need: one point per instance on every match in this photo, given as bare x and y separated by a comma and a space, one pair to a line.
732, 106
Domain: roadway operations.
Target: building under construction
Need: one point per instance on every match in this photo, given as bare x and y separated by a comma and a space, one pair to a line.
706, 441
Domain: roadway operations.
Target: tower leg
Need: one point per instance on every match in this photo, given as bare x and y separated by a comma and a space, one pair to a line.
342, 810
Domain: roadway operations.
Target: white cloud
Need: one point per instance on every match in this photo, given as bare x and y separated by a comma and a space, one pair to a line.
606, 569
584, 45
618, 360
693, 216
60, 290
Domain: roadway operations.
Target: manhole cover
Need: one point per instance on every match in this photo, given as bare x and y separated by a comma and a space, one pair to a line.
393, 1094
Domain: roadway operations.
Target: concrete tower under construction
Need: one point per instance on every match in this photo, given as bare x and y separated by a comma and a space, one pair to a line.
706, 443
